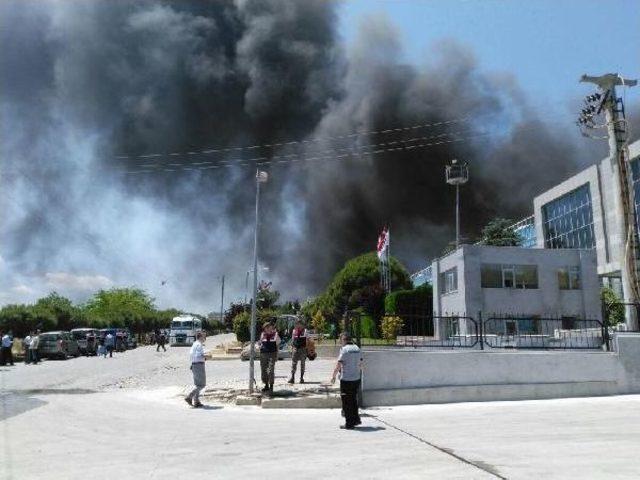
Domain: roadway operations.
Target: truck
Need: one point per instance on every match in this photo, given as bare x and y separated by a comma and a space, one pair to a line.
183, 330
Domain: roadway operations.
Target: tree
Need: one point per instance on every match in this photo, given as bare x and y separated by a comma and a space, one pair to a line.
59, 309
231, 313
357, 285
613, 307
19, 320
500, 233
318, 322
266, 299
418, 300
121, 307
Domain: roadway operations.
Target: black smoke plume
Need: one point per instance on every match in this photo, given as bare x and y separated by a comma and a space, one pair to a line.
89, 87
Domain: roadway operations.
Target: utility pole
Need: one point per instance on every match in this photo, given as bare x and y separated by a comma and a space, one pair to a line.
261, 177
222, 302
617, 130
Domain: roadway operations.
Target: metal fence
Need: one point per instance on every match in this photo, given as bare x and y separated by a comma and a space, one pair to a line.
496, 332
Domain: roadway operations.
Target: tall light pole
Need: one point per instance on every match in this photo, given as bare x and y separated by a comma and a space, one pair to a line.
222, 302
618, 135
261, 177
457, 174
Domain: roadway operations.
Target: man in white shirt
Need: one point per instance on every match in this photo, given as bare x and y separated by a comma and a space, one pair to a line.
26, 345
197, 368
349, 366
33, 348
7, 354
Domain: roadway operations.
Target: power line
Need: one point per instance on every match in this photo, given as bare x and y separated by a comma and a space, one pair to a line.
278, 144
179, 168
293, 155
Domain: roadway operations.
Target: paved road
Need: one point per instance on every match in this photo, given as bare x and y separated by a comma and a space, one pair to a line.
62, 418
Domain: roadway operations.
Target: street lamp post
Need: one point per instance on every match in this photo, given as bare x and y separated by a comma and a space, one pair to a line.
261, 177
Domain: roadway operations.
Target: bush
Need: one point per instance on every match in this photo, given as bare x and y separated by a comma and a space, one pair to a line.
613, 307
391, 326
404, 302
318, 322
241, 323
368, 328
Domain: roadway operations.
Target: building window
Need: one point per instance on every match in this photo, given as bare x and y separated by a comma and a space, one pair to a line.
494, 275
568, 323
449, 280
569, 278
526, 230
568, 220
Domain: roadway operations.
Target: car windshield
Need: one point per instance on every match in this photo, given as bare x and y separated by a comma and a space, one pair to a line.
182, 325
49, 336
79, 335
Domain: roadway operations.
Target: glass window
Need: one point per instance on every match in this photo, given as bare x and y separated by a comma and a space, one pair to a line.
491, 275
529, 326
449, 280
569, 278
568, 220
508, 276
526, 276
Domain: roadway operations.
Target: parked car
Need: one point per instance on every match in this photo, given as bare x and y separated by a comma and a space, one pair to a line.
283, 352
130, 339
57, 345
87, 339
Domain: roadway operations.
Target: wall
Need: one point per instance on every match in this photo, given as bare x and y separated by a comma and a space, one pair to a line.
402, 376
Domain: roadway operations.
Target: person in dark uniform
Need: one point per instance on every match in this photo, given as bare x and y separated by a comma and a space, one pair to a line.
269, 344
350, 367
161, 338
299, 353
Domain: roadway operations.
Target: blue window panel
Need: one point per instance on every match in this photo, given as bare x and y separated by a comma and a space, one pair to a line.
568, 220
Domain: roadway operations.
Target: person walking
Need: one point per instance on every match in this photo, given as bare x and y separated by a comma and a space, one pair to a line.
197, 369
299, 354
26, 344
269, 343
349, 365
7, 344
33, 347
161, 338
109, 343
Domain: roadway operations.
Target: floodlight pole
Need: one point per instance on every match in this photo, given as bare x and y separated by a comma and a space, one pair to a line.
261, 177
623, 184
457, 216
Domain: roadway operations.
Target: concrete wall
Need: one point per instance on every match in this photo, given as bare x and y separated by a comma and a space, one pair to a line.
402, 376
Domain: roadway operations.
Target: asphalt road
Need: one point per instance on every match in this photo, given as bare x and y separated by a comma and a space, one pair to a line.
124, 418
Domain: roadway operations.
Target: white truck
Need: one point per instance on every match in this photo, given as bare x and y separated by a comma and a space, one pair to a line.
183, 330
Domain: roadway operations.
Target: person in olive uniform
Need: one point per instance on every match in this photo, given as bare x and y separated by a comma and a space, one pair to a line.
299, 354
269, 343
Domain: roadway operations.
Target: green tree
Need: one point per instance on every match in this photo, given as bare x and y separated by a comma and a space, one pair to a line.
121, 307
613, 307
418, 300
266, 299
500, 233
54, 306
19, 320
357, 285
233, 310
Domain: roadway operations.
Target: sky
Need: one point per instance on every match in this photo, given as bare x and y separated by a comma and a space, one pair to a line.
546, 44
80, 79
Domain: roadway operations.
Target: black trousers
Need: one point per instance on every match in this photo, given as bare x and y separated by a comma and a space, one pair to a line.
349, 396
7, 356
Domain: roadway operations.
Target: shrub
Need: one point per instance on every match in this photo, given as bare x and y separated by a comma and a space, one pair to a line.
319, 323
391, 326
613, 307
406, 302
368, 328
241, 325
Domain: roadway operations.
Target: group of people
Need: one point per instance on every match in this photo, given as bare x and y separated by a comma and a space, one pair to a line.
30, 345
348, 367
106, 345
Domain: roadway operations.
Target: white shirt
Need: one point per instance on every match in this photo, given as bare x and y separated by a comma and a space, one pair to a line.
197, 352
27, 341
6, 341
35, 342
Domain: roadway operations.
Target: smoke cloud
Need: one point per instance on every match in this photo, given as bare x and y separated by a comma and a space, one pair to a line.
88, 87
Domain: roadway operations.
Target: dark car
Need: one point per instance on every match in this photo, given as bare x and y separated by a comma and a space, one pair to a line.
130, 339
57, 345
87, 339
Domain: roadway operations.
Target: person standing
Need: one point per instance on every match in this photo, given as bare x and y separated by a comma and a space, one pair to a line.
7, 344
33, 347
299, 354
269, 343
109, 343
198, 371
349, 365
161, 339
26, 344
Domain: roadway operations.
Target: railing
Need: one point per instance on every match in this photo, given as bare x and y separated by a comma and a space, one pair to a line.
458, 331
544, 333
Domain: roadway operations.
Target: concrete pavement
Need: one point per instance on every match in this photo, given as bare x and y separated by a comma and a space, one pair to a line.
128, 420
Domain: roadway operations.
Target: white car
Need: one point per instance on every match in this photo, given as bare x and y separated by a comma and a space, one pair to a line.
283, 352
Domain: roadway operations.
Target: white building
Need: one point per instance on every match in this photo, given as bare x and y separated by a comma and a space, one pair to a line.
517, 281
